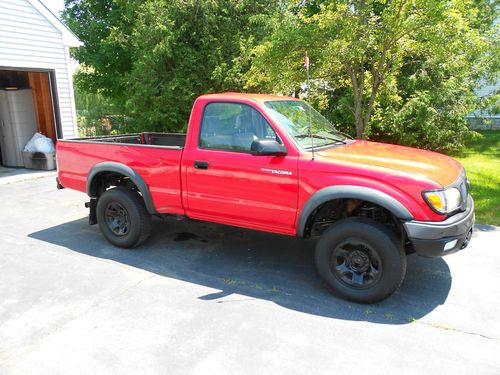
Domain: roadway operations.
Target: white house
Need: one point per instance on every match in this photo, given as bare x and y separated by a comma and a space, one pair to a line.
484, 118
34, 57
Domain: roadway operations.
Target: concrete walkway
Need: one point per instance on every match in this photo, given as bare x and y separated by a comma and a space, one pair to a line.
11, 175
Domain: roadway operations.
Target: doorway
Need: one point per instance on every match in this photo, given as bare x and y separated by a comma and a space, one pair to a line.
27, 105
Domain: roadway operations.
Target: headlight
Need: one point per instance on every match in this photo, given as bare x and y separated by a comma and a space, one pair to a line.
443, 201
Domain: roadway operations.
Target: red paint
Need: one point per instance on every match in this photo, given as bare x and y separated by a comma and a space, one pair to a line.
159, 167
245, 190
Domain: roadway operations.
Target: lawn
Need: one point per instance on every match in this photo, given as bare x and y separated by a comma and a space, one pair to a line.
481, 160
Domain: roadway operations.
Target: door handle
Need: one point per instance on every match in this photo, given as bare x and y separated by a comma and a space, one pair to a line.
201, 164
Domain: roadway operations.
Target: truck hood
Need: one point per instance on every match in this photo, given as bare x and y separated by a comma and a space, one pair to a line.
432, 165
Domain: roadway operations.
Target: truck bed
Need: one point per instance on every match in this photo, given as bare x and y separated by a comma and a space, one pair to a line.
156, 157
176, 140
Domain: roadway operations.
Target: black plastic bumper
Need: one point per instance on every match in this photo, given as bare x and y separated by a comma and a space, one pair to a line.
435, 239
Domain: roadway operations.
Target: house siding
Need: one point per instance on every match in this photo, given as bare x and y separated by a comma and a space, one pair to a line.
484, 119
29, 41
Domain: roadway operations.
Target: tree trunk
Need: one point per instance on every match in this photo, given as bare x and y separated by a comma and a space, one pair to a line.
358, 111
360, 126
357, 78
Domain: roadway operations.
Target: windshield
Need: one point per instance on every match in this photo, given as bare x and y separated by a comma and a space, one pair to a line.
294, 117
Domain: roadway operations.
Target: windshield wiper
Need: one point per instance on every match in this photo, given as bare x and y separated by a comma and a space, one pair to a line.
332, 137
324, 137
300, 136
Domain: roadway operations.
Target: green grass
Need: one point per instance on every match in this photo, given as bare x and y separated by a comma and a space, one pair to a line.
481, 159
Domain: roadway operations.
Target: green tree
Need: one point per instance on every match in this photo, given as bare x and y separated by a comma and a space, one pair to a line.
153, 58
96, 115
403, 70
105, 27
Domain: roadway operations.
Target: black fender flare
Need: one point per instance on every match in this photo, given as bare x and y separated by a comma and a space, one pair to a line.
124, 170
350, 192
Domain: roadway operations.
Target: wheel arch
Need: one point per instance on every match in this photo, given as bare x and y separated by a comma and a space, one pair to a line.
102, 170
349, 192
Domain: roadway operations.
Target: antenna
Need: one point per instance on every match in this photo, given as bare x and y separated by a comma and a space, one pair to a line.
306, 65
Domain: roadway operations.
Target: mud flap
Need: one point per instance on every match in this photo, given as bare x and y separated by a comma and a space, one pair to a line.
93, 210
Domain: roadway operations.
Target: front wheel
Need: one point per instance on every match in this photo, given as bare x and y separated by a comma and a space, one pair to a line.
360, 260
123, 218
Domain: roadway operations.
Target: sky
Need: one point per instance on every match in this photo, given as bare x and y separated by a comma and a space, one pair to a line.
56, 6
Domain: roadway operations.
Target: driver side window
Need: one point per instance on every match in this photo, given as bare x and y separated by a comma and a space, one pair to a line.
233, 127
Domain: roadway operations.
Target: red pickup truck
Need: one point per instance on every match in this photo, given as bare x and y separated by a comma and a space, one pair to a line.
272, 163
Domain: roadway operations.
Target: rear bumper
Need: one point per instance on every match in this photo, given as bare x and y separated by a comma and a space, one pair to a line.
436, 239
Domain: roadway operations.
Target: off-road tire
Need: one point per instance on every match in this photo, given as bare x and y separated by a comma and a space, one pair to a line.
135, 228
352, 245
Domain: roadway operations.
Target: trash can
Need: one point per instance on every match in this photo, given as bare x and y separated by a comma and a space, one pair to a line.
39, 160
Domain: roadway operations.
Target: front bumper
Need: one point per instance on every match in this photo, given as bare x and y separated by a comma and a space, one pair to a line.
436, 239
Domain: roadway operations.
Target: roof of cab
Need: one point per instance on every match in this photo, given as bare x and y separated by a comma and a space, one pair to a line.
240, 95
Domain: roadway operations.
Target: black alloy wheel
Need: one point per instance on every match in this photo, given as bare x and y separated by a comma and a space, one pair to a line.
356, 264
117, 218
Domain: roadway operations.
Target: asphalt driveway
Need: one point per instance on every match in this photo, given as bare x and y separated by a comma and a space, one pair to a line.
209, 299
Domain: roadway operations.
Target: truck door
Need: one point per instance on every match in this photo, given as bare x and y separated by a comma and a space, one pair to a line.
227, 184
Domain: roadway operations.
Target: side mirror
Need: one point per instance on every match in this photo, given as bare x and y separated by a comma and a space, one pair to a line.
269, 147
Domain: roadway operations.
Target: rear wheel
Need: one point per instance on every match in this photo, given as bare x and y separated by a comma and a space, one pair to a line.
360, 260
123, 218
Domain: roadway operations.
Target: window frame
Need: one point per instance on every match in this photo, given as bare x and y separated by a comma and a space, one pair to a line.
225, 149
